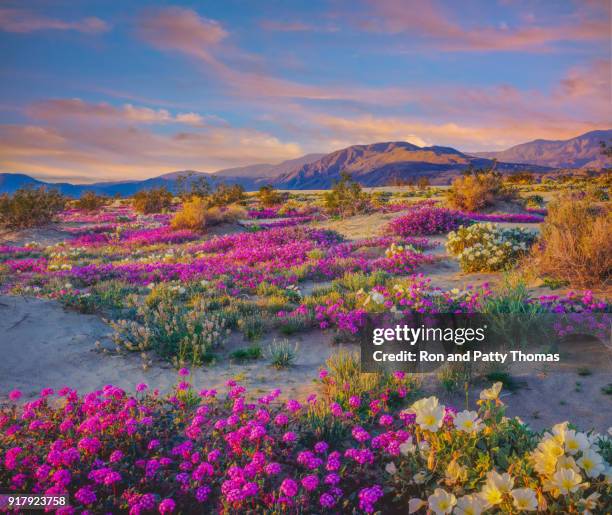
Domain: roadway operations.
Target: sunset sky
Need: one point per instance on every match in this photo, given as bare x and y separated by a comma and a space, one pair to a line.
98, 90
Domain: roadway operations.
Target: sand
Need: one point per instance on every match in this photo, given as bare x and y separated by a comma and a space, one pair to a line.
44, 345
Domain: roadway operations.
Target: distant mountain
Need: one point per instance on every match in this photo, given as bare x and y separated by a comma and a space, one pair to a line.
268, 170
580, 152
379, 163
10, 182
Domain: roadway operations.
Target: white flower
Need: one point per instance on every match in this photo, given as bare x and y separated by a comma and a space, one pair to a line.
415, 504
467, 421
470, 505
592, 463
566, 481
441, 502
377, 297
524, 499
575, 442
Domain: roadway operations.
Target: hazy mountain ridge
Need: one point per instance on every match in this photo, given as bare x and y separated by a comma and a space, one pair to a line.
376, 164
583, 151
379, 163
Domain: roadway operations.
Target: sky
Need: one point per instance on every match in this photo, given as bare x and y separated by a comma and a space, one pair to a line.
97, 90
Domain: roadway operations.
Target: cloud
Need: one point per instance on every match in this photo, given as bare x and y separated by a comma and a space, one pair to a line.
182, 30
25, 21
295, 26
433, 23
73, 138
85, 112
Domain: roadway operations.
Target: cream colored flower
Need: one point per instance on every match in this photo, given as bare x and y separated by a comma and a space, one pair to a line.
470, 505
429, 413
546, 455
468, 421
524, 499
490, 394
566, 481
575, 442
592, 463
441, 502
496, 486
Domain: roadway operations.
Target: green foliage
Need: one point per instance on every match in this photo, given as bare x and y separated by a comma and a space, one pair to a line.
89, 201
155, 200
534, 201
281, 353
29, 207
269, 197
346, 198
225, 195
247, 354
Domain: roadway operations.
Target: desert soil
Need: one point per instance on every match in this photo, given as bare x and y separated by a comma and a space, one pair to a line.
42, 344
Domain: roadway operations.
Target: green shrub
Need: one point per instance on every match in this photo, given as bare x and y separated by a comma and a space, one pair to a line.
269, 197
156, 200
247, 354
225, 195
346, 198
29, 207
89, 201
281, 353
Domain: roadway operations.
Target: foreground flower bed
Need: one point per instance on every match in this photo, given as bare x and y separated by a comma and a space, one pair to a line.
110, 451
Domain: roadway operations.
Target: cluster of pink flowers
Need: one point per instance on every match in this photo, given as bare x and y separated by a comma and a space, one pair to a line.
426, 220
111, 451
520, 218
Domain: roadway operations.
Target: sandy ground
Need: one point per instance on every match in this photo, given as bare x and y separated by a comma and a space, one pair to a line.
44, 236
41, 345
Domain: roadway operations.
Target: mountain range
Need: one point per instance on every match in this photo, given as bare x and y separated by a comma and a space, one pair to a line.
372, 165
583, 151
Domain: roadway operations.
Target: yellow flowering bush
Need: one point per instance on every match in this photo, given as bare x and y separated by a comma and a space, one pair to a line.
473, 462
487, 247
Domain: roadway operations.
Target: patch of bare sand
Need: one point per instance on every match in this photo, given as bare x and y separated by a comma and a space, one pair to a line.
43, 345
44, 236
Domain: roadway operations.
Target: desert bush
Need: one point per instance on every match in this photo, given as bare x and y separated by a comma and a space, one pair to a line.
225, 195
534, 201
171, 327
152, 201
29, 207
281, 353
426, 220
575, 243
269, 197
89, 201
489, 248
346, 198
195, 214
477, 191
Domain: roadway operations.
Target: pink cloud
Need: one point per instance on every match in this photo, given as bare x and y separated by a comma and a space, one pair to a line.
24, 21
88, 113
433, 23
182, 30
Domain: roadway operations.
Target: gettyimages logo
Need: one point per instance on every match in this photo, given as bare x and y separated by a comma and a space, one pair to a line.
422, 343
